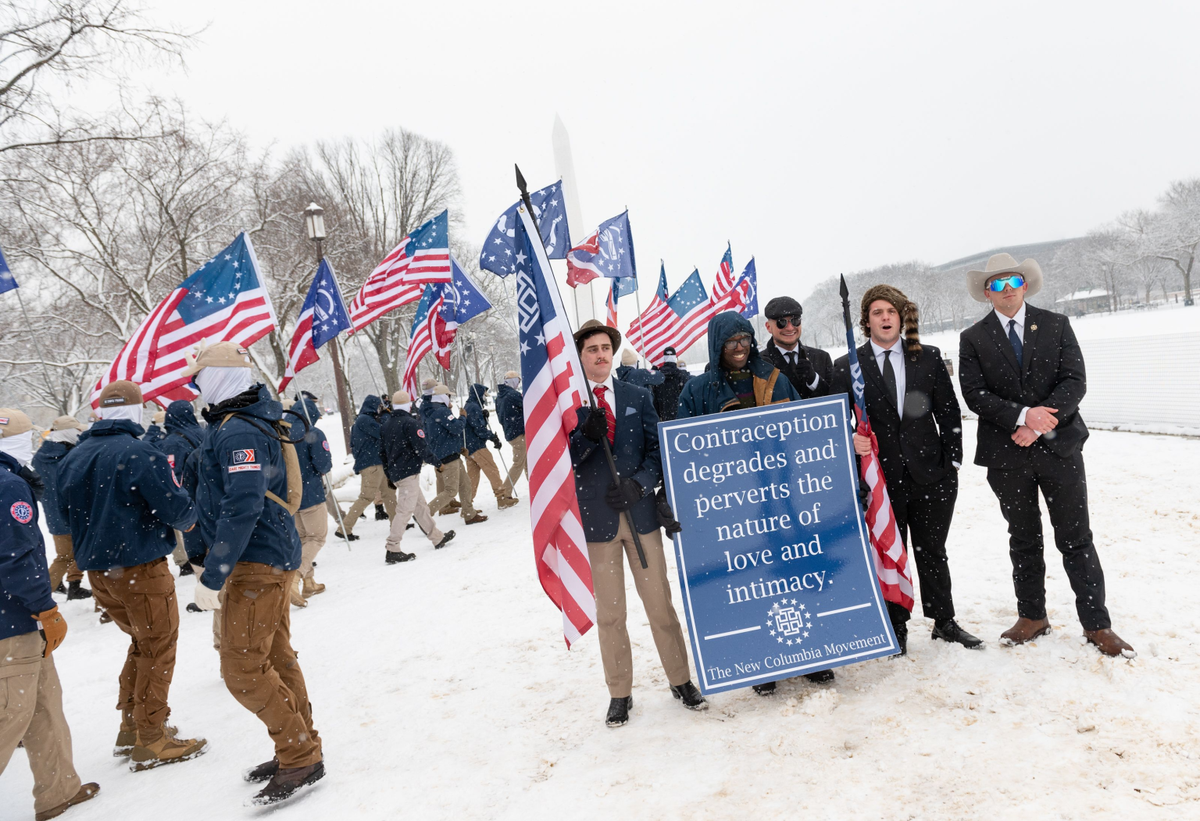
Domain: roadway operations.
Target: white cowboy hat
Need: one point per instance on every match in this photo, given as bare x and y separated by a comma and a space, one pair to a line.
1004, 264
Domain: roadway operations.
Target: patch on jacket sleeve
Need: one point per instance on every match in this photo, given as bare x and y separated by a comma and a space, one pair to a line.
420, 433
243, 460
22, 512
171, 459
325, 444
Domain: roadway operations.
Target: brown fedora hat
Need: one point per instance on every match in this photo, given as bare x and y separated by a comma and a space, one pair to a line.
1004, 264
595, 326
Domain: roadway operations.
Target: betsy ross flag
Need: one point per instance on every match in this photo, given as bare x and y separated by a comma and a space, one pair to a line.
322, 317
499, 253
421, 257
622, 286
669, 321
224, 301
554, 392
889, 553
442, 309
607, 252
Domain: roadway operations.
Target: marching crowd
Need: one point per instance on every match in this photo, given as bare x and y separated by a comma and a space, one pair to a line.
244, 502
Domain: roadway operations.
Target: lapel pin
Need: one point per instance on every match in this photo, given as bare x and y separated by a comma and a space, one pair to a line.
1033, 327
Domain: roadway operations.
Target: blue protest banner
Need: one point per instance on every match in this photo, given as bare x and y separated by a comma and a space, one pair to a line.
774, 562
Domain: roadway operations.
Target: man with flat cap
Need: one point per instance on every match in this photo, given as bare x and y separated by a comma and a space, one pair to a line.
808, 369
1021, 370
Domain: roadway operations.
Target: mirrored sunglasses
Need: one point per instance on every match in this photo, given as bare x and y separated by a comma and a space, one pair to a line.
785, 321
998, 285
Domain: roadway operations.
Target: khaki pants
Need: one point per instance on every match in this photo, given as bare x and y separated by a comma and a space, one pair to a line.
608, 580
335, 510
180, 552
455, 483
31, 711
374, 484
313, 526
258, 663
141, 601
482, 460
64, 562
518, 465
410, 501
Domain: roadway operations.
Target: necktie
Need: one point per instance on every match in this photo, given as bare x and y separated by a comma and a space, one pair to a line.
889, 379
600, 390
1015, 339
791, 357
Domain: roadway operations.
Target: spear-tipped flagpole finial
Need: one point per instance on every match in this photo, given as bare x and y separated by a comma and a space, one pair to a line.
521, 181
843, 290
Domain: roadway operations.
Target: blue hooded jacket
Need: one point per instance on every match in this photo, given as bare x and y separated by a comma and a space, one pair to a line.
638, 376
478, 432
24, 576
404, 446
510, 410
710, 392
184, 435
46, 463
313, 454
239, 460
120, 497
443, 433
366, 437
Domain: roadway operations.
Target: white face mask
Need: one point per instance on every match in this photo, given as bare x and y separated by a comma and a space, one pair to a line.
68, 435
406, 407
132, 413
19, 446
219, 384
514, 383
442, 399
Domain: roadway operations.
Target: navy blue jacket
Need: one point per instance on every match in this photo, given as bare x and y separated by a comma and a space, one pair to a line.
154, 434
443, 433
635, 449
404, 446
365, 436
184, 435
239, 460
638, 376
24, 576
710, 392
120, 497
45, 464
313, 454
510, 410
478, 432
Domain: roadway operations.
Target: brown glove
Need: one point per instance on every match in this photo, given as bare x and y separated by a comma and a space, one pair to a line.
54, 629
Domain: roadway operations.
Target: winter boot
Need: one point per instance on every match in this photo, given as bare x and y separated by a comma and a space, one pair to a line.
297, 594
311, 588
446, 537
62, 588
166, 750
286, 783
452, 506
503, 502
380, 514
398, 556
85, 792
104, 617
350, 537
126, 735
476, 519
76, 591
186, 569
263, 772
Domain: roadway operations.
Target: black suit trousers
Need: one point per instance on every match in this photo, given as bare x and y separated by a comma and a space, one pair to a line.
923, 513
1017, 491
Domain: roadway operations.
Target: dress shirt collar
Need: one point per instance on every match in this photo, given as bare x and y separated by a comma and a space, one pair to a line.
608, 385
878, 351
1019, 316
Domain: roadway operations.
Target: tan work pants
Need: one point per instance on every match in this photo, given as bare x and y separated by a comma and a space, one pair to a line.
312, 524
31, 711
180, 552
258, 663
454, 483
518, 465
608, 580
374, 485
64, 562
410, 501
482, 460
331, 504
141, 601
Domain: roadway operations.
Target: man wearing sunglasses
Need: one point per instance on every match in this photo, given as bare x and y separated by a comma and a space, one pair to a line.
808, 369
1021, 370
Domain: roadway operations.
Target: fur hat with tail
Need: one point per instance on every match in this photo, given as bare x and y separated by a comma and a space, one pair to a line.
903, 305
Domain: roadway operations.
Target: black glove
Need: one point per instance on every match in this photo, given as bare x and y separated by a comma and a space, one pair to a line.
624, 495
496, 444
595, 425
35, 482
666, 516
864, 496
391, 485
487, 414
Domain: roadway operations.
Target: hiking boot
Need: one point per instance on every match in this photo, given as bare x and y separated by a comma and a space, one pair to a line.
127, 736
380, 514
86, 791
476, 519
446, 537
507, 502
311, 588
77, 591
397, 556
166, 750
350, 537
104, 617
186, 569
297, 595
62, 588
263, 772
286, 783
451, 507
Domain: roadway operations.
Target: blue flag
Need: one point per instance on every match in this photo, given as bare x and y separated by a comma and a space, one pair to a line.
7, 281
750, 277
689, 295
463, 300
500, 249
329, 316
607, 252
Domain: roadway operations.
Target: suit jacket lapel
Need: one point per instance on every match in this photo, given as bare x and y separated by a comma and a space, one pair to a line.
1000, 337
1031, 337
870, 369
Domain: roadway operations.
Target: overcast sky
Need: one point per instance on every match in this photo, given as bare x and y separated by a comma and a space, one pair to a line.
818, 138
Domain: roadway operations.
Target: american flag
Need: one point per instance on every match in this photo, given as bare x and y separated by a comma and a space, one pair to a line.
223, 301
499, 251
607, 252
423, 336
443, 307
891, 558
322, 317
421, 257
554, 391
671, 321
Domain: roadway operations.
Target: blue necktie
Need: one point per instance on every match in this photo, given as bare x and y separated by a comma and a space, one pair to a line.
1014, 339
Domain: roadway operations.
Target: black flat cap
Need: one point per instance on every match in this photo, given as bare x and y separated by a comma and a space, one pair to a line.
782, 306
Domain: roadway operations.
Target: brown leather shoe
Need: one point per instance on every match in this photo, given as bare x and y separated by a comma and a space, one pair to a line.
85, 792
1024, 630
1109, 643
476, 519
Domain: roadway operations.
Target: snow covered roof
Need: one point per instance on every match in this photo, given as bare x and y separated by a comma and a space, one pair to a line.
1091, 294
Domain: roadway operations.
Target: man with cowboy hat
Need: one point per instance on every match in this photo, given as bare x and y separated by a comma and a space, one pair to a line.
624, 414
1021, 370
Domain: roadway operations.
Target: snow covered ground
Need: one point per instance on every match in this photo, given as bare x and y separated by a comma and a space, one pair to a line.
442, 689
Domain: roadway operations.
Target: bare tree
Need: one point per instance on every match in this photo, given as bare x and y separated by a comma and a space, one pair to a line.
1176, 233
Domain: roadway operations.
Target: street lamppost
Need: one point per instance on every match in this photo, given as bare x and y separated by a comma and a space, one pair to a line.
314, 222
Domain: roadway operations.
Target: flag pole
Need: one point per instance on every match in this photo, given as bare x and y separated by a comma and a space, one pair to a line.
612, 464
38, 346
325, 477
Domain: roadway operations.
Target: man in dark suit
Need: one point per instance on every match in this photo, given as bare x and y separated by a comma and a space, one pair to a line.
1021, 370
808, 369
918, 425
624, 415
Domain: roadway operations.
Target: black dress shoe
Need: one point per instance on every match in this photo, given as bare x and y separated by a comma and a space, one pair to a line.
349, 538
399, 556
690, 696
446, 537
618, 711
902, 637
949, 630
822, 677
767, 689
